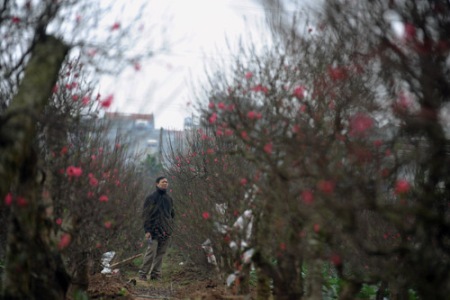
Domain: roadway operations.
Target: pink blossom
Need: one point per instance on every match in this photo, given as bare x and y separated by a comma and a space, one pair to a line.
103, 198
268, 148
15, 20
108, 224
243, 181
85, 100
8, 199
409, 32
377, 143
307, 197
213, 118
316, 228
244, 135
58, 221
211, 105
137, 66
72, 171
55, 89
248, 75
299, 92
205, 215
106, 103
228, 132
64, 241
326, 186
359, 124
75, 97
64, 150
221, 105
336, 260
251, 115
115, 26
337, 73
403, 102
260, 88
402, 186
93, 181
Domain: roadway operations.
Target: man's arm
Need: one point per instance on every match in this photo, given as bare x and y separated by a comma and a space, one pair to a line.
147, 213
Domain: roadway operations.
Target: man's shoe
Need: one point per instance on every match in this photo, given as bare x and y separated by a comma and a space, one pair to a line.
155, 277
142, 277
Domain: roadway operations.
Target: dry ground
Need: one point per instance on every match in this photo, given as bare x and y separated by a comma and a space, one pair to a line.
178, 282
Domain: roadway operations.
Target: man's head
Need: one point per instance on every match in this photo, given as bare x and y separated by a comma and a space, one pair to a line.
162, 183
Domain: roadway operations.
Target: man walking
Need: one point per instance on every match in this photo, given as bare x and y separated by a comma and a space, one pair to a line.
158, 226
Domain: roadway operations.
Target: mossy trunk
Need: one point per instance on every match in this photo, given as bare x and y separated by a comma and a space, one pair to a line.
34, 269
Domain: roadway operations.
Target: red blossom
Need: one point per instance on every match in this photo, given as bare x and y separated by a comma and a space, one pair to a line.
378, 143
228, 132
248, 75
8, 199
251, 115
243, 181
93, 181
211, 105
221, 105
64, 150
58, 221
316, 228
106, 103
336, 260
260, 88
402, 186
75, 97
115, 26
268, 148
299, 92
359, 124
244, 135
409, 32
103, 198
64, 241
337, 73
213, 118
307, 197
108, 224
326, 186
55, 89
72, 171
205, 215
15, 20
85, 100
403, 102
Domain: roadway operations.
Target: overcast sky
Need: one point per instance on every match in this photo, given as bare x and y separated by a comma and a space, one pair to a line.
198, 30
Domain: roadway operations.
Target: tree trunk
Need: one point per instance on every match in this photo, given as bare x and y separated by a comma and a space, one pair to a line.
314, 280
33, 269
263, 285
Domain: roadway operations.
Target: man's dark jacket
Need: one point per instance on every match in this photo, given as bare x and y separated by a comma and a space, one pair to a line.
158, 214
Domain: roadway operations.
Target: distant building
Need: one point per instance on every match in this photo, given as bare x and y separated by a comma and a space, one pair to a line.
136, 132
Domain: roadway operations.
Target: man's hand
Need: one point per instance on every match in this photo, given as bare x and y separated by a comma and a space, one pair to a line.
148, 236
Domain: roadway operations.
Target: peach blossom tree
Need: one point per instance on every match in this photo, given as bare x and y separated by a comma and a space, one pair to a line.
348, 134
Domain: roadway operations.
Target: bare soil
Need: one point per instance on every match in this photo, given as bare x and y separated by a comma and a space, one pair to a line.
179, 281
